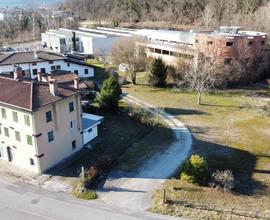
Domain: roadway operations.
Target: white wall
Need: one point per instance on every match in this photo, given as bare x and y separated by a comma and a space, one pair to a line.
21, 151
64, 66
90, 134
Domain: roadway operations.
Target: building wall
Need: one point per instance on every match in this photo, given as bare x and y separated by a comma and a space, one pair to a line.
29, 67
61, 147
90, 134
21, 150
243, 46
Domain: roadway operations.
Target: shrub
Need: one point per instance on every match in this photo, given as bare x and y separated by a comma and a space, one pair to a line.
223, 180
158, 73
109, 95
194, 170
88, 195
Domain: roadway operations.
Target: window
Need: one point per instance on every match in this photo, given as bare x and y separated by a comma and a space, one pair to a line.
29, 139
90, 130
32, 161
209, 42
50, 136
35, 72
263, 42
34, 64
74, 145
50, 62
48, 116
52, 67
72, 125
229, 44
166, 52
27, 120
71, 107
246, 60
250, 43
6, 132
76, 72
86, 71
58, 67
196, 41
15, 116
17, 136
227, 61
3, 113
43, 70
68, 64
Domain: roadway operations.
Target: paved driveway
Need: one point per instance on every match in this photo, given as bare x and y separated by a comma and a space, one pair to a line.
134, 190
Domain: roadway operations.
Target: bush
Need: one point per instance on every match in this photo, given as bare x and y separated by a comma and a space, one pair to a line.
158, 73
109, 95
194, 170
223, 180
88, 195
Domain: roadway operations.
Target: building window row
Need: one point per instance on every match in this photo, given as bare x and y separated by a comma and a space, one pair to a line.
17, 134
15, 116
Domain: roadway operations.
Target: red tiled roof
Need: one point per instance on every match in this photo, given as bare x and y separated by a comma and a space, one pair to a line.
29, 95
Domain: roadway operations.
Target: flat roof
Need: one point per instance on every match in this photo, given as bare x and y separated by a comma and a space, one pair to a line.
89, 123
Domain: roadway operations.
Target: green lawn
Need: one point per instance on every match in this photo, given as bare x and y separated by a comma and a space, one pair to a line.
231, 129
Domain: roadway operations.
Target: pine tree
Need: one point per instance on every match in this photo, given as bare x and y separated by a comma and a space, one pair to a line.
158, 73
109, 95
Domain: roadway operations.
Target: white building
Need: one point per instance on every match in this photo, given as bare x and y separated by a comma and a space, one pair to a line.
90, 41
32, 62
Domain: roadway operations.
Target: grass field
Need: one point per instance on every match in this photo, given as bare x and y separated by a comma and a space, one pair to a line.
231, 128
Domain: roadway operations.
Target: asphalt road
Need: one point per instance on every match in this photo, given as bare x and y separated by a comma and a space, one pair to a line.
19, 200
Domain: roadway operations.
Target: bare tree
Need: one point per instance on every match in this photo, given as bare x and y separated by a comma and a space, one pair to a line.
203, 75
130, 55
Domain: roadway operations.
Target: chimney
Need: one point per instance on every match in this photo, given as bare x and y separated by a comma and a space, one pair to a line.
39, 75
18, 73
35, 55
77, 82
53, 87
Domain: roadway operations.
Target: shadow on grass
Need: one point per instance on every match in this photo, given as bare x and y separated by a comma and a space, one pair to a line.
240, 162
224, 106
177, 111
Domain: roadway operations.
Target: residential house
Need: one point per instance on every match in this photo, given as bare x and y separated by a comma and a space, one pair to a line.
41, 123
32, 62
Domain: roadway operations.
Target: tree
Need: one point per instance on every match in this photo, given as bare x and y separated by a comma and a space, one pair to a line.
109, 95
158, 73
130, 55
194, 170
203, 75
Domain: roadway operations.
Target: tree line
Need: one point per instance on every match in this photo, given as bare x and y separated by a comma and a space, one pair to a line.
206, 13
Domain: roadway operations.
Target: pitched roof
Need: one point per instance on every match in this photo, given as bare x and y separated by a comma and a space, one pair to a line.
29, 57
29, 95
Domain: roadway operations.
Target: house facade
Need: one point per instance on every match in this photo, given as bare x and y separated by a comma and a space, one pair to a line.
41, 123
33, 62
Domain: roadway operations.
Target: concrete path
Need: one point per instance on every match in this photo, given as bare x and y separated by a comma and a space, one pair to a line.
134, 190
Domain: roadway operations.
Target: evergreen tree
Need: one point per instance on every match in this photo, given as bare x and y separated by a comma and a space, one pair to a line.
158, 73
109, 94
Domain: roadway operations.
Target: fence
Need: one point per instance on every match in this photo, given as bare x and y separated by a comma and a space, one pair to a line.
233, 211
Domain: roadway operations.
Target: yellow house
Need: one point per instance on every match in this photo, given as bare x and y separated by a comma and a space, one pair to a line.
40, 123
